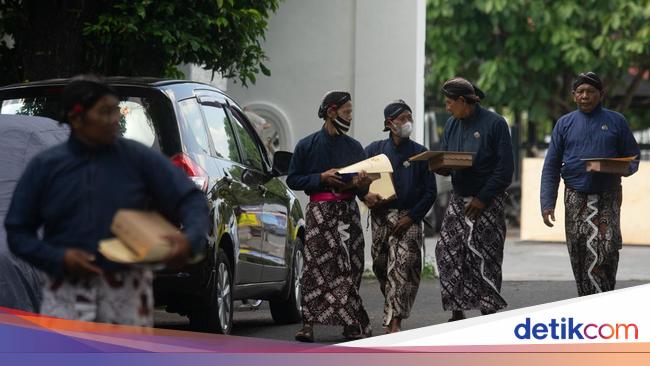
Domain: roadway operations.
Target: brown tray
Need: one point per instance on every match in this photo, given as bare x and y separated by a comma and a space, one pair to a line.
609, 165
445, 159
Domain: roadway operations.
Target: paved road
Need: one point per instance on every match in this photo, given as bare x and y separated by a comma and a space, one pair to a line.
427, 309
541, 261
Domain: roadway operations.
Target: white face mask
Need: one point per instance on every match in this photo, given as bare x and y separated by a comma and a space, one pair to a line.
404, 130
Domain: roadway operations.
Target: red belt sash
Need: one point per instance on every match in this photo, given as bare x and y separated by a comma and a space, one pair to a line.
329, 196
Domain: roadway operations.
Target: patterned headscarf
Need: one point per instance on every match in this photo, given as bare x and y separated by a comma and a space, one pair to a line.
588, 78
459, 87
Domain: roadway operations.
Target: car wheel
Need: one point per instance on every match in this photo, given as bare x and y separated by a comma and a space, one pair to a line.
289, 310
217, 317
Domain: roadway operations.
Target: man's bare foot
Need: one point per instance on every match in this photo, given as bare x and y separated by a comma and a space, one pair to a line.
395, 325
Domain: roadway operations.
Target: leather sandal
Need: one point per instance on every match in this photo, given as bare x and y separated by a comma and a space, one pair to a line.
456, 315
352, 332
306, 334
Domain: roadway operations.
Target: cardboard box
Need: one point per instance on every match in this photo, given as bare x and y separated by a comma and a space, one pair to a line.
141, 237
445, 159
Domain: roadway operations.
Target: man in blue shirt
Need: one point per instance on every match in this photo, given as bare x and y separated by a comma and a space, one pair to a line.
470, 249
73, 190
592, 200
397, 224
334, 239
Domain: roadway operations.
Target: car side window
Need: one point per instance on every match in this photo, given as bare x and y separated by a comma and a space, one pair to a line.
192, 114
223, 137
252, 154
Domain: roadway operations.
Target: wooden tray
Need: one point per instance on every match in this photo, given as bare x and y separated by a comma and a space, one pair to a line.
445, 159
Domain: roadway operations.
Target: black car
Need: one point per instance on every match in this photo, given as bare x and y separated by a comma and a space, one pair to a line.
254, 247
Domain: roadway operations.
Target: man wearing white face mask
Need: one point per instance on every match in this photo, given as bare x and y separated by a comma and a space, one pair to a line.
397, 225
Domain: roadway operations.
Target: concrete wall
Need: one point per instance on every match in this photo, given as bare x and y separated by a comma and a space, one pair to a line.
636, 200
372, 48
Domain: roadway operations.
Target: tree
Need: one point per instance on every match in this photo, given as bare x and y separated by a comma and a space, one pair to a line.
525, 53
49, 39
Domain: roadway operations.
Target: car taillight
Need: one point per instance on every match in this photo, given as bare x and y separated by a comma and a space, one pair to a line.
192, 169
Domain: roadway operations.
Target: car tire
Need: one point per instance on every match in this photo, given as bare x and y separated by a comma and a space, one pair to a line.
289, 310
217, 316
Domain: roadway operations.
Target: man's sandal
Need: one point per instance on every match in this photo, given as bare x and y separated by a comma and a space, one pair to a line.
306, 334
353, 332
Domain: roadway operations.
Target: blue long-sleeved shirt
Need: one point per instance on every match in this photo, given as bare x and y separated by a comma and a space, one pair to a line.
602, 133
320, 152
415, 184
485, 134
73, 191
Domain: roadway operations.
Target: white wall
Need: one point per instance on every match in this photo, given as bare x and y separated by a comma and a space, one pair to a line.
389, 63
372, 48
634, 226
309, 44
197, 73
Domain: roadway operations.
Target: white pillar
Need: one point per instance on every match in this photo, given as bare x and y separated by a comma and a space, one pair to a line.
388, 63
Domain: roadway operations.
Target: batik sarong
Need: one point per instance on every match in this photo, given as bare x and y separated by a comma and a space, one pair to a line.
593, 232
124, 297
333, 254
469, 254
396, 262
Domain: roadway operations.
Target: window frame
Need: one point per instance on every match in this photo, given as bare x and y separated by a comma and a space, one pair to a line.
231, 105
212, 102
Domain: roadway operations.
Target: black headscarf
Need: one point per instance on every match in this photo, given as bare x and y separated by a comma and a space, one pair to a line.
588, 78
393, 110
82, 93
459, 87
333, 99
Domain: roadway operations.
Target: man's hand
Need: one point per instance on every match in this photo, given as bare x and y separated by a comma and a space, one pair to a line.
372, 200
181, 250
361, 180
548, 215
403, 224
443, 171
79, 263
332, 179
474, 209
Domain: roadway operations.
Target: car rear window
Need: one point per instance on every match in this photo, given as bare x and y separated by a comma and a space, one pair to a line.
143, 117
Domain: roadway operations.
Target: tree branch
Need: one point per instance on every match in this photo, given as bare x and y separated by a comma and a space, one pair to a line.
631, 89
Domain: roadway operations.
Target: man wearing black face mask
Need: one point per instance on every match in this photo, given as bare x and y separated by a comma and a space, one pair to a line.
334, 240
397, 225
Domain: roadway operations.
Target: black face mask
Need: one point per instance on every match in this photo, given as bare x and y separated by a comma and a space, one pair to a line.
342, 126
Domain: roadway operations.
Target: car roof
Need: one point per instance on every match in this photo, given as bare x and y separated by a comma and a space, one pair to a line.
182, 88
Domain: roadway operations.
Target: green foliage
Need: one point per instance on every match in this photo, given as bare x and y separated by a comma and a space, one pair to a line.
525, 53
150, 38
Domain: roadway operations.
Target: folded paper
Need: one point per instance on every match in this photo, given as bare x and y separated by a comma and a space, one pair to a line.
376, 164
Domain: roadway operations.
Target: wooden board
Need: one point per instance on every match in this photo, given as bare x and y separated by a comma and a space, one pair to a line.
445, 159
609, 165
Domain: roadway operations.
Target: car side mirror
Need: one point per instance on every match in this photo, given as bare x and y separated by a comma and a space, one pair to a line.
281, 161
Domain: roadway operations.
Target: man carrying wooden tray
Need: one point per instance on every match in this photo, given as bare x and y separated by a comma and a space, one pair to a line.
397, 224
73, 191
592, 199
470, 250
